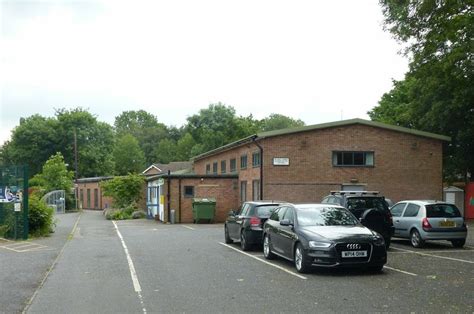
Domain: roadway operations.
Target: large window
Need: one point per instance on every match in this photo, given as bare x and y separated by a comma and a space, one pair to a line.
223, 166
233, 165
243, 162
243, 191
256, 190
354, 159
88, 198
214, 168
256, 159
96, 198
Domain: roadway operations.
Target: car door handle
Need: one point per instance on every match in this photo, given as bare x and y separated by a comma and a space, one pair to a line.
397, 220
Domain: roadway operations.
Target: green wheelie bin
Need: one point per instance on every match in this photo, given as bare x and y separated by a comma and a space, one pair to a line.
204, 209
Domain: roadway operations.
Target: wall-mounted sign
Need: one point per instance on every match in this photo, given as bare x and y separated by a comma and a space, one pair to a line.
17, 207
281, 161
161, 181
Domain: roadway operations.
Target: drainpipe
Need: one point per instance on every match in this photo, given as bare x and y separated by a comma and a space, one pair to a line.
179, 201
261, 164
168, 196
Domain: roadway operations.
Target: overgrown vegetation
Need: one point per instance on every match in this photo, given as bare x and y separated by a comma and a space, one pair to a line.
40, 217
126, 193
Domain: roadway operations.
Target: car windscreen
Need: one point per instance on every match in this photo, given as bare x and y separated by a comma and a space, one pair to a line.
264, 211
325, 216
358, 203
442, 211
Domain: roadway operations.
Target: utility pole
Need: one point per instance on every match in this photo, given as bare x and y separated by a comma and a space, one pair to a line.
76, 187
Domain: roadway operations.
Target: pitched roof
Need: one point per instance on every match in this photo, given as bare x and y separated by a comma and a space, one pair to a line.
321, 126
172, 166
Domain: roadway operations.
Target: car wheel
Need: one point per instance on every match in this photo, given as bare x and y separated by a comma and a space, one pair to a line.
228, 240
387, 243
301, 260
267, 251
415, 239
376, 269
458, 243
243, 241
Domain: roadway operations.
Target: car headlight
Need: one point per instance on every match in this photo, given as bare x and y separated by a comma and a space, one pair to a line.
378, 240
318, 244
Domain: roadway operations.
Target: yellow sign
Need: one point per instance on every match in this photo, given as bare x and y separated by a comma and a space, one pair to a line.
162, 199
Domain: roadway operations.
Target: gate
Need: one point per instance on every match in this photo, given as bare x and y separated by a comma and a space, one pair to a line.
14, 202
56, 200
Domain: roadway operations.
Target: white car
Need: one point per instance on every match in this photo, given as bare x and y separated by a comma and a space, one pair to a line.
428, 220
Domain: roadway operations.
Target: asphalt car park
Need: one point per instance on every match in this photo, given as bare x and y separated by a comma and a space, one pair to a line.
142, 266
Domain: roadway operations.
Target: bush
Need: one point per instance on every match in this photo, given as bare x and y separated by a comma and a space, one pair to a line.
138, 214
125, 191
40, 217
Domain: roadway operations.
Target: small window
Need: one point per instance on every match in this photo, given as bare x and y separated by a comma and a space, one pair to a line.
278, 214
208, 169
96, 198
397, 210
189, 191
256, 190
243, 162
256, 159
245, 209
88, 198
233, 165
214, 168
358, 159
243, 191
411, 211
223, 166
290, 215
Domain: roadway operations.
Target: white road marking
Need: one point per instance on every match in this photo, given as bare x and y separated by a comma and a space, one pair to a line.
437, 256
437, 251
188, 227
133, 273
264, 261
471, 247
400, 271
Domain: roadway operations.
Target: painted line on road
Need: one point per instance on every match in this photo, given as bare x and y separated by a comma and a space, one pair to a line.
437, 256
188, 227
400, 271
471, 247
30, 301
433, 251
133, 273
264, 261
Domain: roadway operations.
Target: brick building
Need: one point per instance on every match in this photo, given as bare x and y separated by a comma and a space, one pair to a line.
304, 164
90, 194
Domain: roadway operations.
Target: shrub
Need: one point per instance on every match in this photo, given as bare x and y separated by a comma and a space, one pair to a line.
40, 217
138, 214
125, 191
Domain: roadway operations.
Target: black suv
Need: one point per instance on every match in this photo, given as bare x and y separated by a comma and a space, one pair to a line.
369, 207
246, 224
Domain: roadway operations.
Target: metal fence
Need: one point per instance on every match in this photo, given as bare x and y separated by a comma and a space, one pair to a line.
56, 200
14, 202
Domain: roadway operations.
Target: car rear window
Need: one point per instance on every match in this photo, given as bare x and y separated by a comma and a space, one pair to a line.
355, 203
442, 211
264, 211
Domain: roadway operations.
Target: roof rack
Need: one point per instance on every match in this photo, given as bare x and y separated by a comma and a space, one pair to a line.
355, 192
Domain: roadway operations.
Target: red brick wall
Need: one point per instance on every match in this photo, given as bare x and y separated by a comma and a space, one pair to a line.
405, 166
102, 202
225, 191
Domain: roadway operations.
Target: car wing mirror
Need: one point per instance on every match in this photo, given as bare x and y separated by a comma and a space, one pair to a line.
285, 222
231, 212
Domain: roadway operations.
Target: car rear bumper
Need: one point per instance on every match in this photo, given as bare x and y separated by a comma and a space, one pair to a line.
444, 235
254, 235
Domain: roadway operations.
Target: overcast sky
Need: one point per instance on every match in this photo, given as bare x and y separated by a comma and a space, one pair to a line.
312, 60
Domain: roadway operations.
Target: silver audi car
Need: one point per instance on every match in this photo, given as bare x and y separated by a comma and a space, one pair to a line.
428, 220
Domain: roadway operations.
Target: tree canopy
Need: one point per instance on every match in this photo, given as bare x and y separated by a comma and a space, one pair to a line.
437, 94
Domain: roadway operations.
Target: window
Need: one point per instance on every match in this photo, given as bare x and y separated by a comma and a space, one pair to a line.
233, 165
411, 211
442, 211
278, 214
88, 198
243, 191
397, 210
358, 159
290, 215
245, 210
256, 159
256, 190
208, 168
96, 198
223, 166
82, 197
243, 162
188, 191
214, 168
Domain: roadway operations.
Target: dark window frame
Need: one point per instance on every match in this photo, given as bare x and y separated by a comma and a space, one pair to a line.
256, 160
339, 158
243, 161
223, 166
186, 193
243, 191
233, 165
214, 167
208, 168
256, 190
96, 198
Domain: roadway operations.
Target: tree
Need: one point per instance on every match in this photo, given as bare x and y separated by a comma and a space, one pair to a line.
277, 121
165, 151
54, 175
438, 91
144, 127
125, 191
128, 156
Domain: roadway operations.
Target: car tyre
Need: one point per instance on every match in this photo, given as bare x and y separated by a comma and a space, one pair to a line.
458, 243
387, 243
228, 240
301, 260
267, 251
415, 239
376, 269
243, 241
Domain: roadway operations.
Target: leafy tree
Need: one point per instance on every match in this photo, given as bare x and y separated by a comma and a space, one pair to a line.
277, 121
128, 156
184, 147
144, 127
438, 91
54, 175
125, 191
165, 151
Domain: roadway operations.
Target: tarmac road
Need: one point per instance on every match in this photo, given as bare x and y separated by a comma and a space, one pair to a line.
186, 268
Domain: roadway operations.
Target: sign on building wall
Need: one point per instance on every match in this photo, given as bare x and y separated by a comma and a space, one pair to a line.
281, 161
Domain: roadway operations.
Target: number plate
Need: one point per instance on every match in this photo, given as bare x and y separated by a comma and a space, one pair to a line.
447, 224
354, 253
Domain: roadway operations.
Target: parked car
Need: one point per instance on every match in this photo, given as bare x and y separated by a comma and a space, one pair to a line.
369, 207
420, 221
322, 235
246, 224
